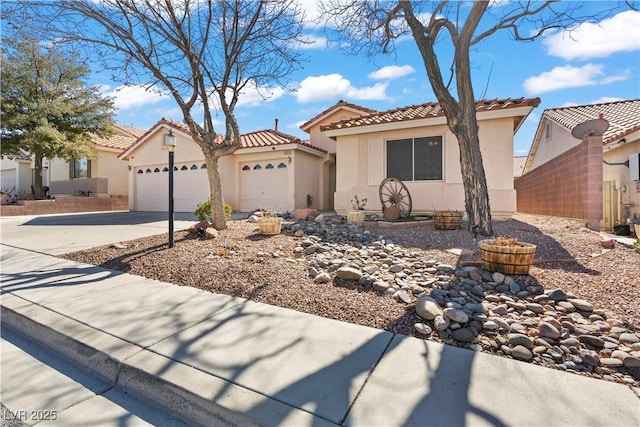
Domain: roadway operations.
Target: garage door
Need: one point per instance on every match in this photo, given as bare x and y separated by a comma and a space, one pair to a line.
190, 187
8, 180
263, 185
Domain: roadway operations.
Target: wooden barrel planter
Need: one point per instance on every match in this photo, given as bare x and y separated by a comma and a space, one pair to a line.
270, 225
447, 220
356, 217
512, 259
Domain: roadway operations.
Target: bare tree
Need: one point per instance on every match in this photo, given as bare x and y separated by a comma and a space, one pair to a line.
373, 26
204, 53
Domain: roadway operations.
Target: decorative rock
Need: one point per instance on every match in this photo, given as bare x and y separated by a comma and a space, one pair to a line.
610, 362
589, 357
520, 340
463, 335
303, 214
591, 340
428, 308
629, 338
348, 273
522, 353
319, 218
558, 295
498, 277
404, 297
490, 325
631, 362
548, 330
210, 233
422, 328
322, 278
456, 315
581, 305
501, 310
441, 323
252, 219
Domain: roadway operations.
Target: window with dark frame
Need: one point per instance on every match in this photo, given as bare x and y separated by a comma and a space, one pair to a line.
80, 168
415, 159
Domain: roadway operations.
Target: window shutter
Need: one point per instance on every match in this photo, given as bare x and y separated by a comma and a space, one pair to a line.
375, 163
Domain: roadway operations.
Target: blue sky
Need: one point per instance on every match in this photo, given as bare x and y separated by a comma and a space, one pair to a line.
598, 63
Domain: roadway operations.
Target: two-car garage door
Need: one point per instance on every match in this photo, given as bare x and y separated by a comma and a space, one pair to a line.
262, 185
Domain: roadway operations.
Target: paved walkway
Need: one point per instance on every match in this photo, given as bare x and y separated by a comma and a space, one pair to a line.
216, 359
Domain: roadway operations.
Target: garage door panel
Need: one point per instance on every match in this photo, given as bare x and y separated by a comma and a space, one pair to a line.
189, 188
263, 188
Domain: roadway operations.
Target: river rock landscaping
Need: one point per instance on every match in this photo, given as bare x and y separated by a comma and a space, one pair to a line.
578, 312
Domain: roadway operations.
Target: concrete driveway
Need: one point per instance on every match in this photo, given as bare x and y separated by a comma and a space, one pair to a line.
62, 233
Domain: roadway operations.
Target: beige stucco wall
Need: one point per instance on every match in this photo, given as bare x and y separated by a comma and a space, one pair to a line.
560, 140
628, 191
361, 166
108, 165
308, 175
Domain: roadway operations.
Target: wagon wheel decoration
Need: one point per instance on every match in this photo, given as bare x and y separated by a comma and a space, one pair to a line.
394, 193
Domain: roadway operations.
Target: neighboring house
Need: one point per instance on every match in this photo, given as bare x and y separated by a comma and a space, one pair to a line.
16, 174
272, 170
518, 165
562, 176
104, 175
415, 144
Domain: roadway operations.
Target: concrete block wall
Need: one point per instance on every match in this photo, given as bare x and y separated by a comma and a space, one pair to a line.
569, 185
66, 204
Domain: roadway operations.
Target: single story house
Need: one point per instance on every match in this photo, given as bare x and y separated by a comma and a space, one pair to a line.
547, 171
16, 174
272, 170
415, 145
105, 175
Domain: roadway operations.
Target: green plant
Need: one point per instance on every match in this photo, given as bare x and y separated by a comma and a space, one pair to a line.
203, 211
358, 204
636, 245
309, 200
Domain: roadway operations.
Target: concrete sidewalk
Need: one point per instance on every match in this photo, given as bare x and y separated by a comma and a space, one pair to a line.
203, 355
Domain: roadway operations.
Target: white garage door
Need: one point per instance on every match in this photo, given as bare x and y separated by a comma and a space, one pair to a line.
190, 187
263, 185
8, 180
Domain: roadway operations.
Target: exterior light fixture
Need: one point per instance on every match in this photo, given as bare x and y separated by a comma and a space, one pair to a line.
170, 142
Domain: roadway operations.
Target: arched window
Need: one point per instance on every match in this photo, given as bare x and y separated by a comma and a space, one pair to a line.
184, 168
140, 171
269, 166
257, 167
246, 168
147, 171
175, 168
165, 169
204, 166
156, 170
281, 166
194, 167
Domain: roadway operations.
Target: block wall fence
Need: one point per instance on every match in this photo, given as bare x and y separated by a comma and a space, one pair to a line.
569, 185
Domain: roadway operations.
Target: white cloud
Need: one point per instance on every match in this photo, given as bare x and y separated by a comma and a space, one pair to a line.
253, 95
605, 100
392, 72
313, 42
135, 96
568, 77
620, 33
334, 86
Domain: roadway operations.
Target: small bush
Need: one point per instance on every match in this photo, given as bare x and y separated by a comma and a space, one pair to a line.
203, 211
636, 245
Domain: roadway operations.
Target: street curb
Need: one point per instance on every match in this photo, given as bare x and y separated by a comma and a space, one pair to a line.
192, 395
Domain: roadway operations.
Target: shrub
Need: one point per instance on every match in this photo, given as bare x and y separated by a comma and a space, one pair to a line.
636, 245
203, 211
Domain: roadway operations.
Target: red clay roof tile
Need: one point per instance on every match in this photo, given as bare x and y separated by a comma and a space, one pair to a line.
428, 110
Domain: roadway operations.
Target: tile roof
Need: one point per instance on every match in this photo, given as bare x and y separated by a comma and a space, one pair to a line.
122, 138
518, 165
623, 117
260, 138
336, 106
425, 111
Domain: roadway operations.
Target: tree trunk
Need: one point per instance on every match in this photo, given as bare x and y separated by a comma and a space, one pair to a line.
219, 222
476, 195
37, 179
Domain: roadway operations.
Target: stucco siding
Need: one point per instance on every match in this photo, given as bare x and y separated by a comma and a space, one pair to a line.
308, 170
361, 166
560, 140
108, 165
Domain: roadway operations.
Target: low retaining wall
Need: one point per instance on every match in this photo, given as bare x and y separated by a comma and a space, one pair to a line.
66, 204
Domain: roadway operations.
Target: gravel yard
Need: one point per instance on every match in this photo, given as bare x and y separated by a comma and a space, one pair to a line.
273, 269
